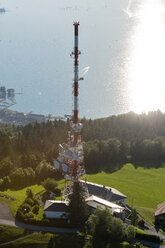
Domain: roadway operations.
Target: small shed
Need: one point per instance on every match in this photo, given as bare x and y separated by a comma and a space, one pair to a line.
160, 214
56, 209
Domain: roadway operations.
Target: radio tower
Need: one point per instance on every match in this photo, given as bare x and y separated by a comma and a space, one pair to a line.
71, 159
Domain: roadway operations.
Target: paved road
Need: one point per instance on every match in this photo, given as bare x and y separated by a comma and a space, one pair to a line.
46, 229
38, 228
7, 222
5, 213
6, 217
150, 244
152, 230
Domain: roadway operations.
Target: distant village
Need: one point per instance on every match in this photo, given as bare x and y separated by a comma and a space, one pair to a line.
21, 119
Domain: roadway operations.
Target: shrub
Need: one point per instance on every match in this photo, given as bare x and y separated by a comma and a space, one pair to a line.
30, 204
20, 215
5, 183
131, 232
117, 229
35, 201
29, 201
29, 216
35, 209
29, 193
50, 184
25, 208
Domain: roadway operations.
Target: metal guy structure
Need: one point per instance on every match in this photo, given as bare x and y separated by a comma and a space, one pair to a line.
71, 159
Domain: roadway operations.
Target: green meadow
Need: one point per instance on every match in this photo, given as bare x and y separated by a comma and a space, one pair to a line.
35, 240
41, 240
8, 233
20, 196
144, 188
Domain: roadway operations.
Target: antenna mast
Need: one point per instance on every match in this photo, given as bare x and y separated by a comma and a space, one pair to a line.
71, 159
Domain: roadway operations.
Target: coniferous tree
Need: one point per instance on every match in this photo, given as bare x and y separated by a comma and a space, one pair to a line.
78, 207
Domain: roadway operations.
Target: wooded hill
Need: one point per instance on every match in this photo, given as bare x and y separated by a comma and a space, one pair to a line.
27, 153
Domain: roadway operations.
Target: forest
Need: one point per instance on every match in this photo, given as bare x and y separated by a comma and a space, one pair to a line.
27, 152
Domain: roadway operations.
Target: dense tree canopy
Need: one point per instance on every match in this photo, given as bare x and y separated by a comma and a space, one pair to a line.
51, 186
27, 152
103, 225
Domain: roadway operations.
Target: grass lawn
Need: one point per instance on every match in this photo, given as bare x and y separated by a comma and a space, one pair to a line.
20, 196
8, 233
143, 187
65, 241
36, 240
39, 240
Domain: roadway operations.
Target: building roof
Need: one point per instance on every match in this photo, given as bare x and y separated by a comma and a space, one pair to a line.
160, 209
56, 206
96, 202
105, 192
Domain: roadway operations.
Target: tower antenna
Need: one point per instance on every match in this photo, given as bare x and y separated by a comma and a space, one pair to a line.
71, 158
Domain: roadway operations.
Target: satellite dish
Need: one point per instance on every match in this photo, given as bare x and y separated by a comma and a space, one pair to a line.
56, 164
65, 168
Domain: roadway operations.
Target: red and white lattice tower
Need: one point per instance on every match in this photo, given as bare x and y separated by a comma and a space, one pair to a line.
71, 159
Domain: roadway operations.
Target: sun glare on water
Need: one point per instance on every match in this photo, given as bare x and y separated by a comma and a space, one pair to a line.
146, 69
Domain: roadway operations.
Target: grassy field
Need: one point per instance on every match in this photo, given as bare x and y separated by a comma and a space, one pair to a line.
143, 187
20, 196
36, 240
64, 241
8, 233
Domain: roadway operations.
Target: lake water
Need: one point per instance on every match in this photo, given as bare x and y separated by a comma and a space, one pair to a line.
122, 41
